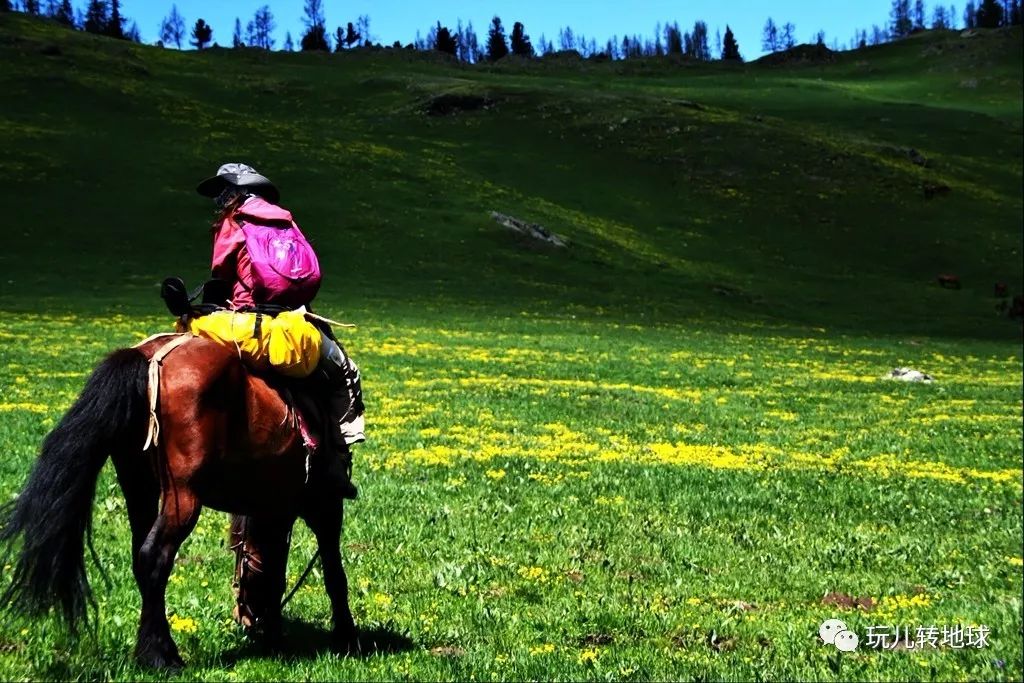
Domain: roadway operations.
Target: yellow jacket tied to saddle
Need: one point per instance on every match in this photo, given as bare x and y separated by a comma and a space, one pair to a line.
286, 343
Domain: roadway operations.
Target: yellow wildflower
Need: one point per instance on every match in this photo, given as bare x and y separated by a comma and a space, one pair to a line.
183, 624
538, 574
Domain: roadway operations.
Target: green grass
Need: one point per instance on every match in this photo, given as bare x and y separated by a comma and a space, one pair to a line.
582, 465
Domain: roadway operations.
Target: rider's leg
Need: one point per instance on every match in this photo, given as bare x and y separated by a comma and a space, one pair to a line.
345, 410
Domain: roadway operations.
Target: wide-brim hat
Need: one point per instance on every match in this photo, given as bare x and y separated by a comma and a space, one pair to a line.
239, 175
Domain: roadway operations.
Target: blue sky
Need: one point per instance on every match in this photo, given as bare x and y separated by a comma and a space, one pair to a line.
392, 20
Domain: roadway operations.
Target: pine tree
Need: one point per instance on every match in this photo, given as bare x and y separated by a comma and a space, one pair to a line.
581, 44
115, 24
990, 14
202, 34
476, 54
64, 13
262, 26
673, 39
465, 52
730, 48
701, 50
431, 39
520, 41
566, 39
96, 16
236, 37
31, 6
313, 13
770, 36
900, 21
970, 15
718, 42
1015, 13
788, 37
363, 29
444, 41
172, 30
352, 35
460, 42
919, 15
288, 46
819, 37
496, 45
5, 5
315, 36
939, 18
133, 33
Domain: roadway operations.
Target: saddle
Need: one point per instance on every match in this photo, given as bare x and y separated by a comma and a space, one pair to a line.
215, 294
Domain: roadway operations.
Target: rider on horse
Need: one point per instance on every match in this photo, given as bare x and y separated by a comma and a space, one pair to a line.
244, 198
188, 428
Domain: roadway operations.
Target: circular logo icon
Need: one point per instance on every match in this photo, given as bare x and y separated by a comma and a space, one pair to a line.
847, 641
829, 628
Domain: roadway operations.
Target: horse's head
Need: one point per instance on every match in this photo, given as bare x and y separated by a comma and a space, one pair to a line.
261, 556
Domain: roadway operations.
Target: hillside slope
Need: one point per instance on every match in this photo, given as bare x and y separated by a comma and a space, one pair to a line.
779, 194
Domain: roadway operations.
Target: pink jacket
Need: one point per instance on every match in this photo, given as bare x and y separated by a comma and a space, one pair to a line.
230, 256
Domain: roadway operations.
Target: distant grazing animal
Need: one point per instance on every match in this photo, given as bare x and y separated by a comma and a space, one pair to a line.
949, 281
226, 439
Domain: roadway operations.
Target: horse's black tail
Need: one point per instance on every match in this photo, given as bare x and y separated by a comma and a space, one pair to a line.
53, 513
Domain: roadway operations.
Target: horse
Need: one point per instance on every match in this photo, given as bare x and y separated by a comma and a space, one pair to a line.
226, 439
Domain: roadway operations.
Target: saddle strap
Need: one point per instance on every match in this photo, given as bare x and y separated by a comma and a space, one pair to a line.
153, 431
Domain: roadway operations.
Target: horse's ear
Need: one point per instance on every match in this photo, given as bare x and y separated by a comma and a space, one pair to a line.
174, 294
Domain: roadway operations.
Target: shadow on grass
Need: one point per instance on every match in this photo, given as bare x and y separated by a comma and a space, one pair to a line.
303, 640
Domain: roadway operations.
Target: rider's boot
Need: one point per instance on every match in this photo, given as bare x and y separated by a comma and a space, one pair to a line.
345, 422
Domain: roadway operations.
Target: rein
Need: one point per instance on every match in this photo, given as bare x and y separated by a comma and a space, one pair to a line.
302, 579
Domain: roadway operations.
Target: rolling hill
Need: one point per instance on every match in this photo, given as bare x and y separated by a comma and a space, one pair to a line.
828, 193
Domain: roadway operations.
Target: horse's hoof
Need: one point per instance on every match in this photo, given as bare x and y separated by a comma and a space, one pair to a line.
169, 662
271, 642
345, 642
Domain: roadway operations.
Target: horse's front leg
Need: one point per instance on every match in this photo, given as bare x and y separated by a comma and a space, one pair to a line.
325, 521
154, 646
261, 560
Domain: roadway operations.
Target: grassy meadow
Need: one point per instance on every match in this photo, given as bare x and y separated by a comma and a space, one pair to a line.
664, 453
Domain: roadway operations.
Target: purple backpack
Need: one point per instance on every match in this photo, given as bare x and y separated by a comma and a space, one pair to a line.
285, 269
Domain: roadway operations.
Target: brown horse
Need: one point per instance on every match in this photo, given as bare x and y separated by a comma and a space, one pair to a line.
227, 440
